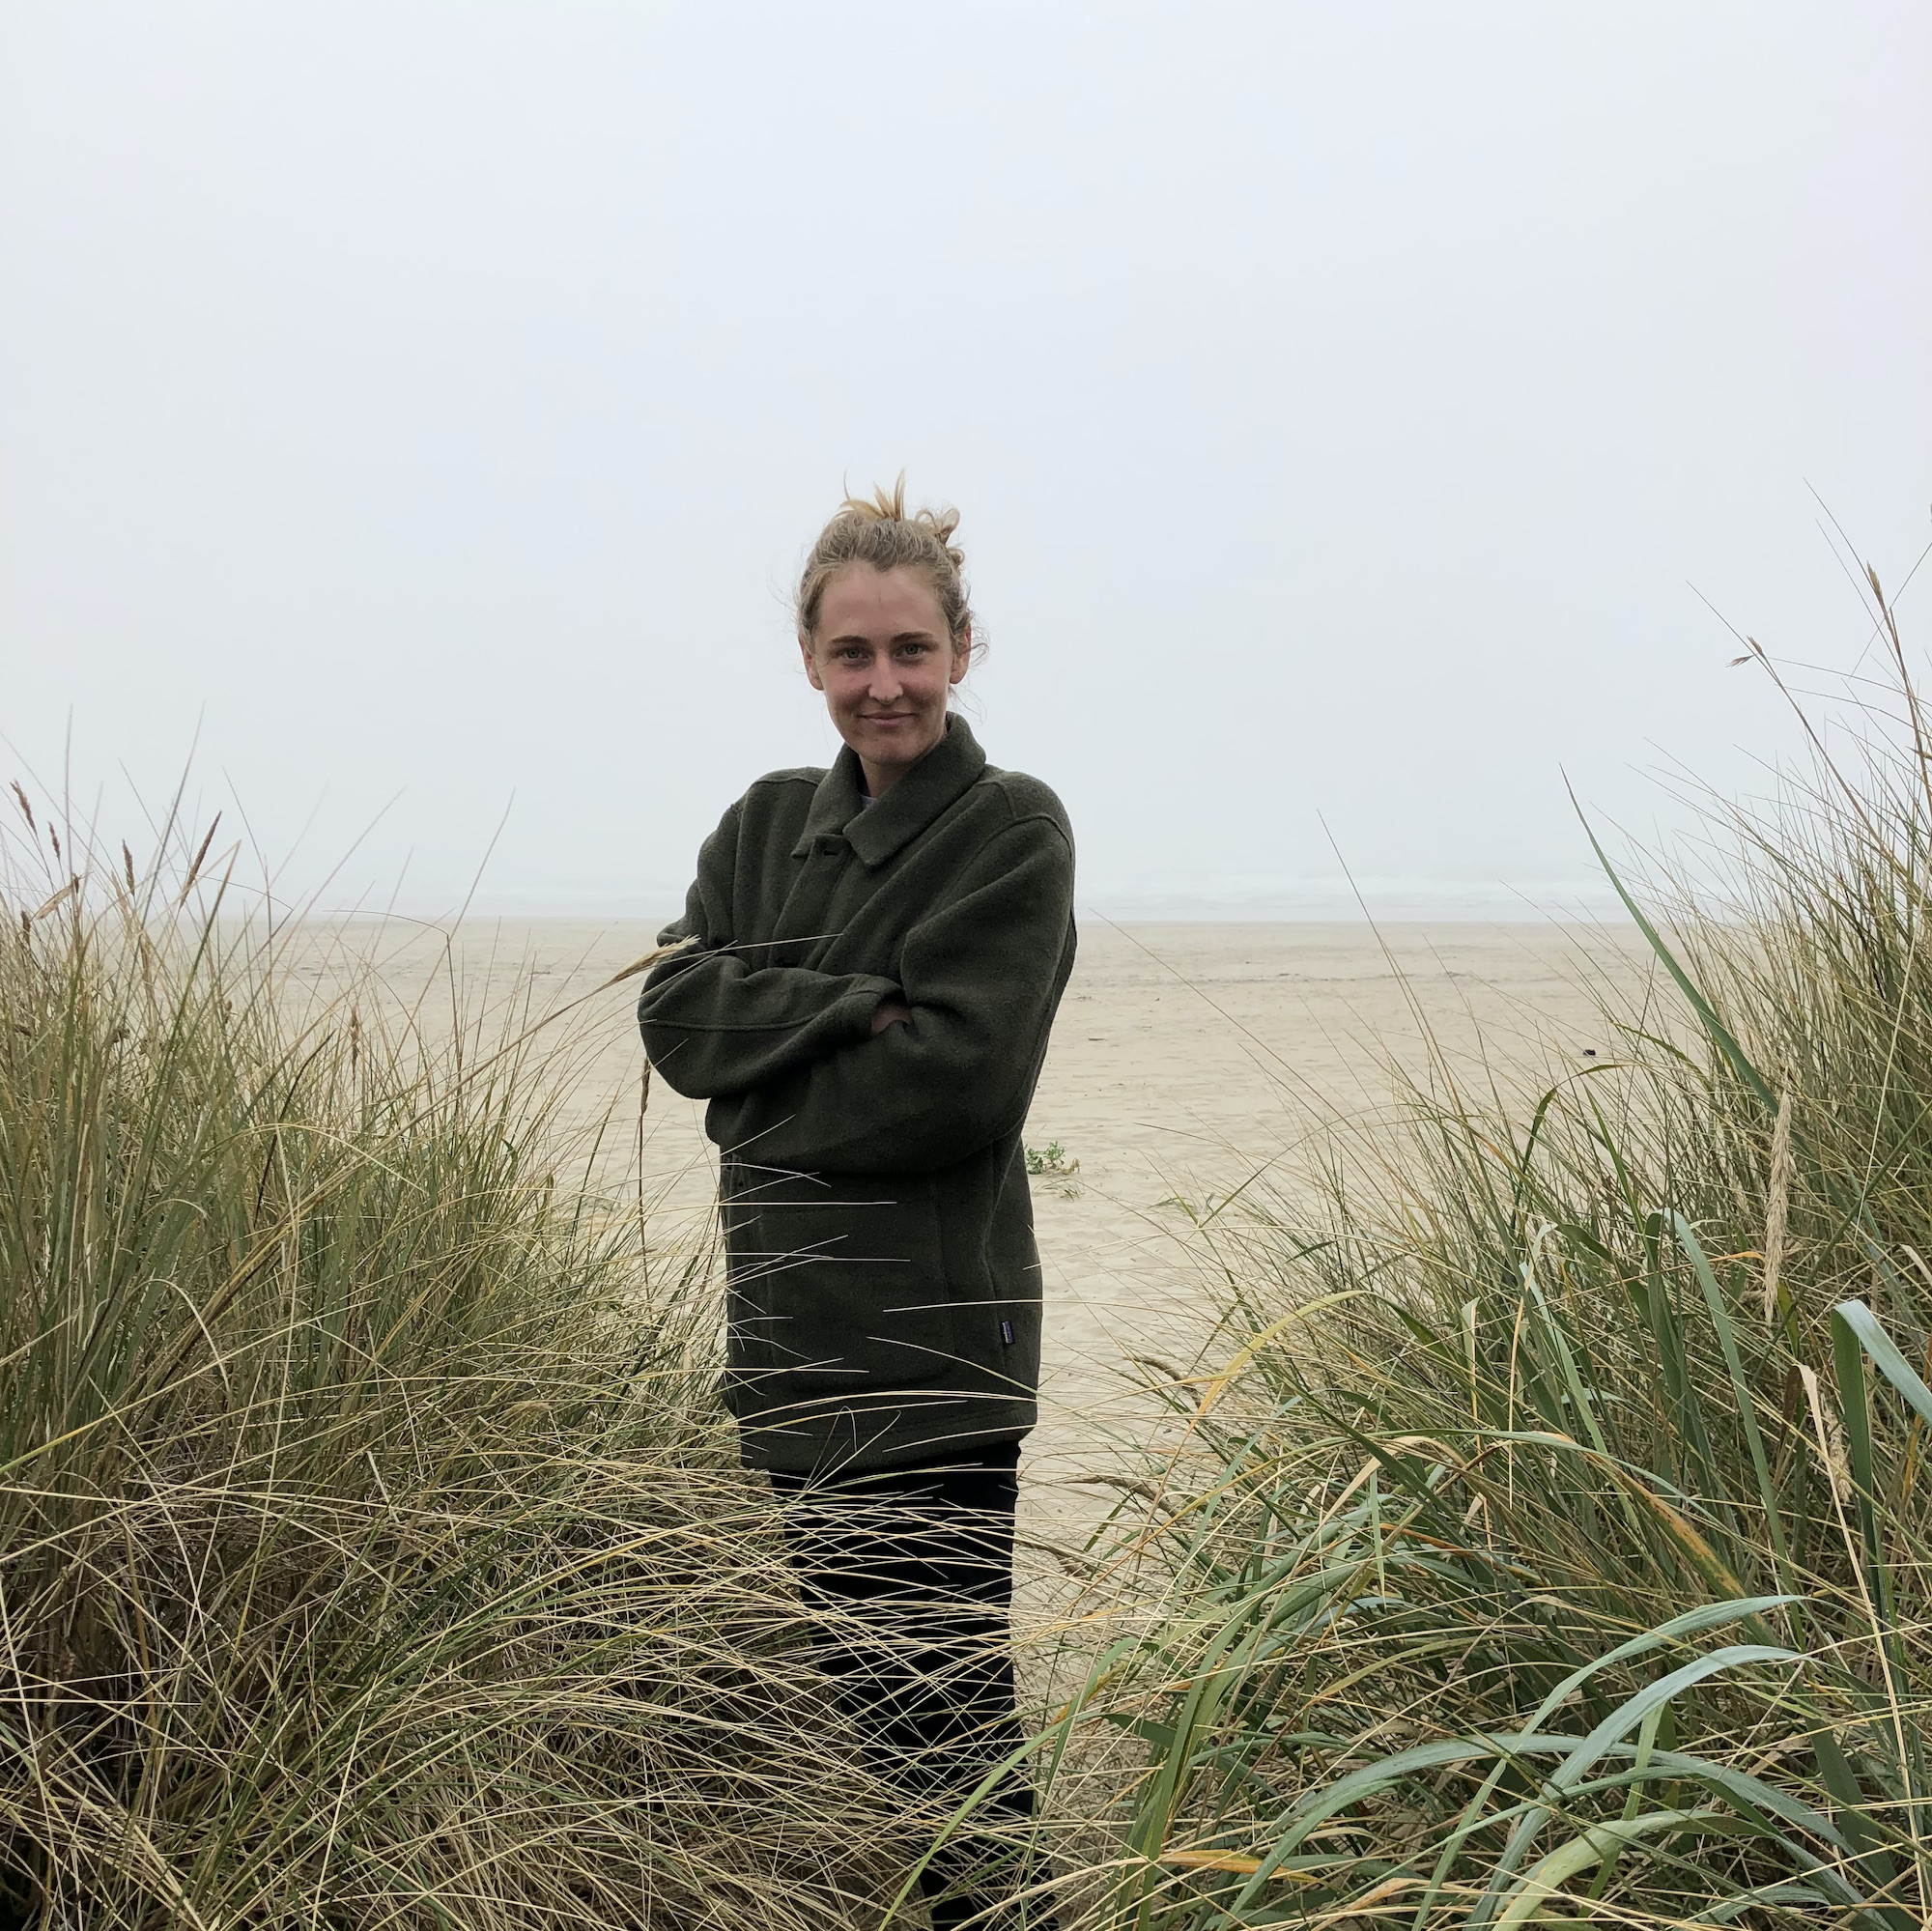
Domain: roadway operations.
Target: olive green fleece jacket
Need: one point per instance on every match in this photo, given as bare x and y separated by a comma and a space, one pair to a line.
883, 1286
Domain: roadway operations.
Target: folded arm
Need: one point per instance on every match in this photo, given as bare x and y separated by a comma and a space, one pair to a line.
981, 975
716, 1022
715, 1025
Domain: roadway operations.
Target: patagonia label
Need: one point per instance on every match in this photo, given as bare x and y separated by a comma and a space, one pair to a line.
1006, 1332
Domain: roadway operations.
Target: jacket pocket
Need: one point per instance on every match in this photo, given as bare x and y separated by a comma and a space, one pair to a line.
836, 1284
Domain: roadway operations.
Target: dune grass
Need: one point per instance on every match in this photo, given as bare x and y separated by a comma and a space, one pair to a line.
373, 1551
1555, 1547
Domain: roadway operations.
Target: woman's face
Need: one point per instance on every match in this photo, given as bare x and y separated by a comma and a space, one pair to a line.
884, 660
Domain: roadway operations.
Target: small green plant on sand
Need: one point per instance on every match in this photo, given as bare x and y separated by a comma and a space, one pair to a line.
1049, 1163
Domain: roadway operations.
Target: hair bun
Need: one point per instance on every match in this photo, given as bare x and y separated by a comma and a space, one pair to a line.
885, 505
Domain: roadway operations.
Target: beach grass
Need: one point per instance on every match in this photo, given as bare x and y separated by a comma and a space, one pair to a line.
1555, 1548
374, 1552
1551, 1545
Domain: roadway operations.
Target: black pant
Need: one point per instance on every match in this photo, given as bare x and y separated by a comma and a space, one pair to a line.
914, 1571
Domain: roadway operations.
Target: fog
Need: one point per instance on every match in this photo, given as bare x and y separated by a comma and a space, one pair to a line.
1362, 417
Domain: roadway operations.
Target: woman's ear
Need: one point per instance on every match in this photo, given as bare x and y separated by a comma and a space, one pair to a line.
810, 664
962, 656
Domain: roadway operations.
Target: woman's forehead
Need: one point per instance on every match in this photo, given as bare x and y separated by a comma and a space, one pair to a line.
862, 601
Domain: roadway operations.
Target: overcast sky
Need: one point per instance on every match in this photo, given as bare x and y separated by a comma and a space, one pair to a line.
431, 404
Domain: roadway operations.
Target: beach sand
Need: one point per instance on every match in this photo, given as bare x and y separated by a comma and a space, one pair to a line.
1188, 1061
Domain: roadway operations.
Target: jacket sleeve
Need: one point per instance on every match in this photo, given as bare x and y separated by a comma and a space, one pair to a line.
982, 974
715, 1023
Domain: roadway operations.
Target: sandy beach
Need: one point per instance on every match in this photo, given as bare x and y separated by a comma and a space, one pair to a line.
1187, 1059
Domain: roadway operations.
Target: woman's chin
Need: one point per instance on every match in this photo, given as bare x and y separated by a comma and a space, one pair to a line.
894, 749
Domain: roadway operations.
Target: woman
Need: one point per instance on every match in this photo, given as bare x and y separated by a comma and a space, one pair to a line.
874, 956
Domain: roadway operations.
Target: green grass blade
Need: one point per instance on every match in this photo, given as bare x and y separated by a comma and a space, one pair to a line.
1860, 1321
1540, 1885
1720, 1320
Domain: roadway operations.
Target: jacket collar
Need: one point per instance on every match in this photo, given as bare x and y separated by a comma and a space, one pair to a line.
938, 780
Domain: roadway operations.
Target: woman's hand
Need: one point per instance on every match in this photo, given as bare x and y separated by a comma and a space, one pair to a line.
890, 1012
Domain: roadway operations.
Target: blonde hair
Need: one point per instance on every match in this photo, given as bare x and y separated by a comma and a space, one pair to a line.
876, 529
